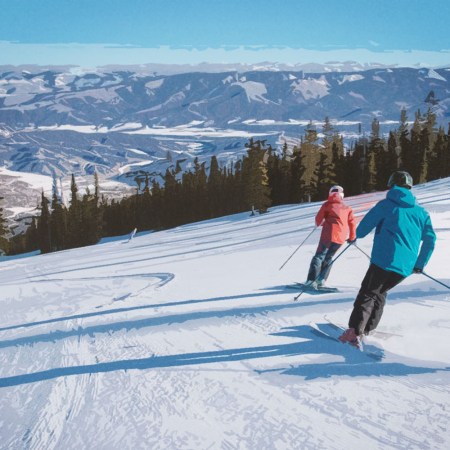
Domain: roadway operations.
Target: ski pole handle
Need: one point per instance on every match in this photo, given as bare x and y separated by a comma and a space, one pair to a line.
298, 248
434, 279
338, 256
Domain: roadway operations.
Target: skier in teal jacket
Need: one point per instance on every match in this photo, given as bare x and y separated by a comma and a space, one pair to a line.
403, 243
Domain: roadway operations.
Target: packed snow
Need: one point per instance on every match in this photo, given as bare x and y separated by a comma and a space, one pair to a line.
189, 339
136, 128
312, 87
255, 91
351, 78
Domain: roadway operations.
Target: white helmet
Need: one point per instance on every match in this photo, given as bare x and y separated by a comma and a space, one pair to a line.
338, 189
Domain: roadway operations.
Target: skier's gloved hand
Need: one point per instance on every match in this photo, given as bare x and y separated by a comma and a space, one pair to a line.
417, 270
351, 241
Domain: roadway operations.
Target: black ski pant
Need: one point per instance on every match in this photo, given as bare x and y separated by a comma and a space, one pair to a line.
369, 303
320, 264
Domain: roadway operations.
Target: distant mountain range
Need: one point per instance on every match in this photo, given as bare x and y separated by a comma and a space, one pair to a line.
122, 121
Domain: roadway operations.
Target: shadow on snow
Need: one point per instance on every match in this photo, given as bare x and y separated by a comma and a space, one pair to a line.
274, 290
355, 363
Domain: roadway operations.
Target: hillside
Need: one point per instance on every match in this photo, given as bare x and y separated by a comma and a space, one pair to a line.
187, 338
129, 122
119, 121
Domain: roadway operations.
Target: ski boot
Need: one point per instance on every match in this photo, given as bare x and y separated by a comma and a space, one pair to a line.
349, 336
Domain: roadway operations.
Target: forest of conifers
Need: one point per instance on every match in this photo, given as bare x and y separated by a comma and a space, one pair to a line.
264, 177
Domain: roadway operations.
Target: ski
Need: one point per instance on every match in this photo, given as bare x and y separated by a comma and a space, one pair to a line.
322, 333
341, 329
334, 324
319, 332
319, 290
331, 336
376, 333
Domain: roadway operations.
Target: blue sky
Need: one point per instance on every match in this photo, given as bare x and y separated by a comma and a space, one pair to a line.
97, 32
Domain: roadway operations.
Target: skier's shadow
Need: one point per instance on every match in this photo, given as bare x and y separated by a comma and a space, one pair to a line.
355, 363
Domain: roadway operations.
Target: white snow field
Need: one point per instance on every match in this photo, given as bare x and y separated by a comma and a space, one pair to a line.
188, 339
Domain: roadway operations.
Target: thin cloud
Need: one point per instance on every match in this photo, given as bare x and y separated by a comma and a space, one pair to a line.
96, 55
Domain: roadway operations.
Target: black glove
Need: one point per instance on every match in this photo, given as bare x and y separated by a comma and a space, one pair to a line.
417, 270
351, 241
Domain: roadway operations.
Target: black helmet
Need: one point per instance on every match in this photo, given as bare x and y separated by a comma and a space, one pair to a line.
400, 178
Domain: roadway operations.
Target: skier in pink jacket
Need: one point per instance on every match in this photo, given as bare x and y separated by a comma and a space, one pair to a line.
338, 226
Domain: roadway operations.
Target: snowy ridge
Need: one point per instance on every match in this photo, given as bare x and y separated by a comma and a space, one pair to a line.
187, 338
66, 122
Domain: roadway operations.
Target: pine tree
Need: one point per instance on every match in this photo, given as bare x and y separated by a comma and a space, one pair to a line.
446, 157
273, 172
31, 236
355, 168
74, 219
309, 149
145, 213
43, 226
371, 181
426, 146
322, 177
337, 163
170, 204
3, 230
374, 156
392, 160
215, 188
439, 158
178, 168
297, 190
188, 212
415, 164
90, 232
200, 179
328, 135
285, 174
406, 153
279, 172
333, 147
235, 200
58, 222
97, 210
311, 136
254, 177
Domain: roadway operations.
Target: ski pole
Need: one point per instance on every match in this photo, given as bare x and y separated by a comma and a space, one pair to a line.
361, 250
434, 279
298, 248
329, 265
423, 273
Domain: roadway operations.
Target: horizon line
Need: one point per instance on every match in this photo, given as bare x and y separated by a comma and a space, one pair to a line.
107, 54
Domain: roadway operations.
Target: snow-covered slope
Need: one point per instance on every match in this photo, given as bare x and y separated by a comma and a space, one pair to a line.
188, 339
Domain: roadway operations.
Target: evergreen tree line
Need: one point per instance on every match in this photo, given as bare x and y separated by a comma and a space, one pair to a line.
59, 227
3, 232
262, 178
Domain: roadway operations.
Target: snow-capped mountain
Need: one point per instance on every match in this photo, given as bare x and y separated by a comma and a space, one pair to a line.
119, 122
188, 339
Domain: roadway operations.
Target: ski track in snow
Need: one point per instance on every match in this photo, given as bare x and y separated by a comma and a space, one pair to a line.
187, 338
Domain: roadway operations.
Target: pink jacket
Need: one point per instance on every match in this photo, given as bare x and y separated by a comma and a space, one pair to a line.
337, 220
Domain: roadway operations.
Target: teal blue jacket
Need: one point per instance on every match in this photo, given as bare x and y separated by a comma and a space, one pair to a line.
400, 227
